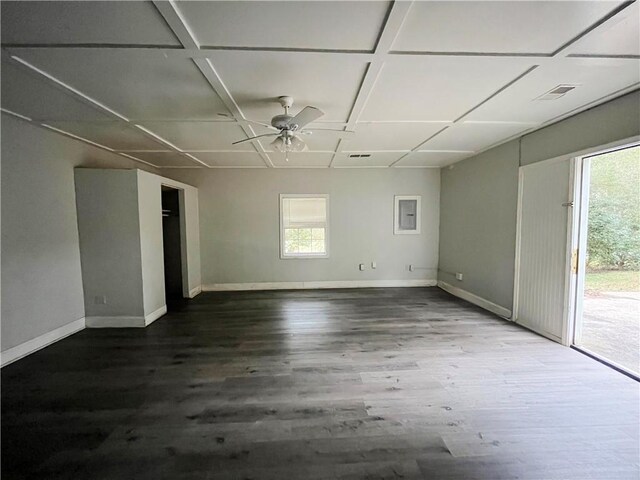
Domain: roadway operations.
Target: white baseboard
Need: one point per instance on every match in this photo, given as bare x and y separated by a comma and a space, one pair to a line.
221, 287
195, 291
153, 316
126, 322
476, 300
116, 322
33, 345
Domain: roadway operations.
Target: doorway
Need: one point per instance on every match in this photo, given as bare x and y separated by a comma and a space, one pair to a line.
607, 308
172, 246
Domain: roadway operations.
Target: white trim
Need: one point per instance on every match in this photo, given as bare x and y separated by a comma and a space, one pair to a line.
516, 270
222, 287
476, 300
115, 322
126, 322
195, 291
575, 175
153, 316
44, 340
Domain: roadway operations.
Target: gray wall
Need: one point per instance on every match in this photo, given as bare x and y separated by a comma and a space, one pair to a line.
478, 223
479, 196
239, 224
107, 203
41, 275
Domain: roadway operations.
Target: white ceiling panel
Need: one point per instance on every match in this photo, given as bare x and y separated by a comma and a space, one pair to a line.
620, 36
140, 85
256, 79
502, 27
389, 136
230, 159
437, 88
166, 159
115, 135
306, 25
306, 159
595, 79
30, 94
474, 68
432, 159
377, 159
201, 135
473, 136
84, 23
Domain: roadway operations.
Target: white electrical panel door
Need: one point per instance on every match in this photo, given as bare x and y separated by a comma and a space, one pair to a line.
406, 214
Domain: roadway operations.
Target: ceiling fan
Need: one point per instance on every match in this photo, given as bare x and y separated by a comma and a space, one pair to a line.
288, 128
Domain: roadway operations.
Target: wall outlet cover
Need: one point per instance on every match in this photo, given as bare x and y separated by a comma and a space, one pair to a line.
459, 276
361, 266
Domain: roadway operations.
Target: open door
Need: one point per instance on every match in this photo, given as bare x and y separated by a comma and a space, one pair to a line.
543, 252
607, 303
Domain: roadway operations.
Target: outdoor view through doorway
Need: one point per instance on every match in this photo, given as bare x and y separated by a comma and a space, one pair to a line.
610, 322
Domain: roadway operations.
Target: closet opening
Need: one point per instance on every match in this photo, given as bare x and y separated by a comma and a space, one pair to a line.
172, 247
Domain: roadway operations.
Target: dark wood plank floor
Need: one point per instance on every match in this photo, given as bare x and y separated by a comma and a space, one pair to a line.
350, 384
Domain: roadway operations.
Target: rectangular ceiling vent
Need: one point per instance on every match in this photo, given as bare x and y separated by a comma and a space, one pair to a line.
557, 92
359, 155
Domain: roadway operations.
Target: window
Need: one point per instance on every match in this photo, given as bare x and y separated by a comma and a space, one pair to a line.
407, 214
304, 226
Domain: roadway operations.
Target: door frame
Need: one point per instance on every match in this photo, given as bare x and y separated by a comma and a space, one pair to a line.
580, 234
183, 237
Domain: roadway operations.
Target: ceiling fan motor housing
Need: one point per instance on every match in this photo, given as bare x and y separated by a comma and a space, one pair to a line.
281, 122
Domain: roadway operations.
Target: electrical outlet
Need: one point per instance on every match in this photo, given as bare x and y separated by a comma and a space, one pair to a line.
361, 267
411, 268
100, 300
459, 276
373, 265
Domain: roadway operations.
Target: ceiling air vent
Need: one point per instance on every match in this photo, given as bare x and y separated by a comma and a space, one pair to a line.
359, 155
557, 92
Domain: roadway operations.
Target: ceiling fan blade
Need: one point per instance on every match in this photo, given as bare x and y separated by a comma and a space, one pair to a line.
266, 125
306, 116
257, 136
328, 130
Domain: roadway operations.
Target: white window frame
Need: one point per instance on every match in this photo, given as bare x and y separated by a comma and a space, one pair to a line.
396, 214
304, 256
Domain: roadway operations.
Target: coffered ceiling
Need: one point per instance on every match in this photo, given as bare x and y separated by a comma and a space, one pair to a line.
422, 84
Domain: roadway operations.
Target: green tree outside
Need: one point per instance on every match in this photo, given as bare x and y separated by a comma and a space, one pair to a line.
613, 239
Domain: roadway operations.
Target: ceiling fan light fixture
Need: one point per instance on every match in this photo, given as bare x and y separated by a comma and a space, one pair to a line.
289, 144
279, 145
297, 145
